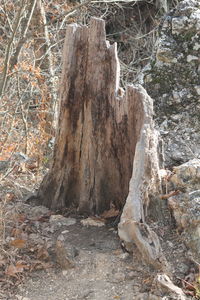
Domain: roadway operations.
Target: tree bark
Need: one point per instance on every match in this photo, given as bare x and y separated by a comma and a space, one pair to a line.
104, 137
98, 126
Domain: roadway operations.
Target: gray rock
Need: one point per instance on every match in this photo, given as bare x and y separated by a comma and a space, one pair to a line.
186, 205
187, 177
172, 80
58, 221
38, 211
119, 276
65, 254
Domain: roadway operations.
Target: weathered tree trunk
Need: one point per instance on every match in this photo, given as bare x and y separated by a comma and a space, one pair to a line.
98, 127
103, 135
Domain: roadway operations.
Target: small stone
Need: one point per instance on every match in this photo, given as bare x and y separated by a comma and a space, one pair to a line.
38, 211
64, 232
131, 275
57, 221
191, 58
124, 256
178, 24
175, 118
197, 88
196, 46
93, 222
176, 96
65, 272
119, 276
164, 55
22, 298
65, 255
170, 244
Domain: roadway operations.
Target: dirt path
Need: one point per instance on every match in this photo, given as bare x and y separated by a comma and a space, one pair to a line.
81, 259
102, 271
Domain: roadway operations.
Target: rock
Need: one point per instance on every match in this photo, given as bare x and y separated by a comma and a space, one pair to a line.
124, 256
58, 221
164, 286
38, 211
172, 80
142, 296
130, 275
65, 254
187, 176
185, 206
119, 276
93, 222
22, 298
4, 164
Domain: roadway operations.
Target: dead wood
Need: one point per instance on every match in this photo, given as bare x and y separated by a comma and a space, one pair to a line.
105, 139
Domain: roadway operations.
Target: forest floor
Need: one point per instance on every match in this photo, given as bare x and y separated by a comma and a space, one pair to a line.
70, 258
48, 256
100, 269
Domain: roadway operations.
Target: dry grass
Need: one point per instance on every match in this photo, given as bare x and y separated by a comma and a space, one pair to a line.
2, 224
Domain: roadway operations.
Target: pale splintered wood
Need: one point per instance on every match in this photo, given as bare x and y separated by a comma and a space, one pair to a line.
144, 184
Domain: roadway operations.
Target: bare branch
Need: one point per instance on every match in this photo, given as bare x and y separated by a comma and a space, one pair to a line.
71, 11
9, 47
23, 38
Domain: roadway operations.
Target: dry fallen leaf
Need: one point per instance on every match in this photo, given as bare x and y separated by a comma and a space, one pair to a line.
18, 243
12, 270
32, 165
2, 262
39, 265
20, 266
42, 253
110, 213
21, 218
10, 197
16, 232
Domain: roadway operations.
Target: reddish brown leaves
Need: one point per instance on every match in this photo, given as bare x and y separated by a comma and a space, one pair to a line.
18, 243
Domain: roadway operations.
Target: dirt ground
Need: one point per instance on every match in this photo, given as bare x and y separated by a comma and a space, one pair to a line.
101, 270
87, 261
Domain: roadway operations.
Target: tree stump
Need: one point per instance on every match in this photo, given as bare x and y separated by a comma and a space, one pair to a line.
104, 134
